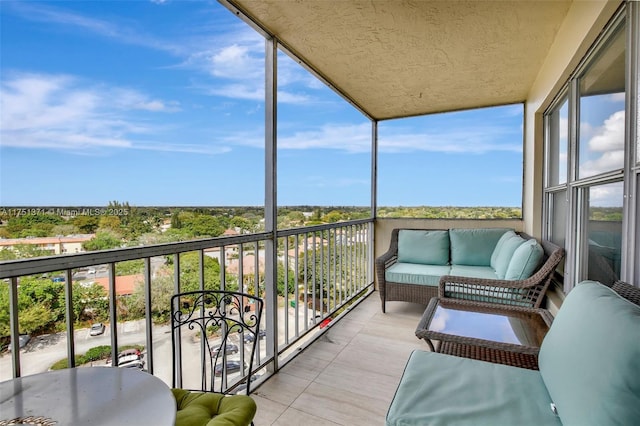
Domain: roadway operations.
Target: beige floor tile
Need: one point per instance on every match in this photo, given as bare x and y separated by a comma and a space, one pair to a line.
293, 417
341, 406
268, 411
305, 367
359, 381
283, 388
349, 375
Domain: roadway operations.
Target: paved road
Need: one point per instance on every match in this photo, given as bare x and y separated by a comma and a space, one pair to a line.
41, 352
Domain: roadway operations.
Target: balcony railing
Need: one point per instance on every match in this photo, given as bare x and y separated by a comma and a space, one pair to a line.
318, 272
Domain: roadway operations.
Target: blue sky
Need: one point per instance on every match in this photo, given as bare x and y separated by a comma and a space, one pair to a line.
162, 103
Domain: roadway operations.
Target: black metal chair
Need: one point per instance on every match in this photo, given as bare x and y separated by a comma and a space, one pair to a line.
214, 338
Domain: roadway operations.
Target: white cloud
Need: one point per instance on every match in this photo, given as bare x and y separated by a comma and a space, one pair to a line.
450, 141
65, 113
605, 147
356, 138
608, 161
439, 321
72, 20
610, 135
351, 138
237, 62
610, 195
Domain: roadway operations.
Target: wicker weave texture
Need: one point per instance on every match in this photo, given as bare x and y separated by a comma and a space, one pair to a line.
496, 356
627, 291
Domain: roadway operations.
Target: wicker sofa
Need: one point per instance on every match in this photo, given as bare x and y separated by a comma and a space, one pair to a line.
489, 265
589, 373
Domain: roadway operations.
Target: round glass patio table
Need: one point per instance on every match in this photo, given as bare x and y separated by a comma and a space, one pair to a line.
87, 396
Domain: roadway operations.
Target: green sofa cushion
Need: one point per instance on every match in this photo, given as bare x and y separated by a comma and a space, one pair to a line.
212, 409
503, 259
590, 358
484, 272
525, 261
412, 273
438, 389
474, 246
423, 247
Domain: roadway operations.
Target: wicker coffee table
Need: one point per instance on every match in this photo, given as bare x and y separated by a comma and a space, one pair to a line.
509, 335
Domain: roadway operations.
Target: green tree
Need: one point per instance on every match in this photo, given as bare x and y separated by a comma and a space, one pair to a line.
130, 267
242, 223
66, 229
190, 272
40, 303
86, 224
103, 240
176, 223
111, 223
33, 225
90, 302
161, 292
200, 225
332, 217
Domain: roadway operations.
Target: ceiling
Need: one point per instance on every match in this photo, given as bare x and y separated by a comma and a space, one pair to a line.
396, 58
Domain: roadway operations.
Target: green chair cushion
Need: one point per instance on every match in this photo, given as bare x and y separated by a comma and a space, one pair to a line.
474, 246
423, 247
213, 409
412, 273
590, 358
437, 389
525, 260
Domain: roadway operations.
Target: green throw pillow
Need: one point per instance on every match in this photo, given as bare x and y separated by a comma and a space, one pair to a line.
525, 261
424, 247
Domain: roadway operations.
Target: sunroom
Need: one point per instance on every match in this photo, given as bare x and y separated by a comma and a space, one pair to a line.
571, 66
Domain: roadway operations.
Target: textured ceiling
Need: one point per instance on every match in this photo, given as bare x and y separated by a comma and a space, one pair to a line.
401, 58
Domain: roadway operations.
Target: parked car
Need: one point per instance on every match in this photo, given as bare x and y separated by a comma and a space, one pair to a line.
230, 348
97, 329
248, 338
127, 356
129, 352
139, 364
242, 386
23, 339
232, 367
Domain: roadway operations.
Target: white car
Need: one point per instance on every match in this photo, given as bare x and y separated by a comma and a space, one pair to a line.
97, 329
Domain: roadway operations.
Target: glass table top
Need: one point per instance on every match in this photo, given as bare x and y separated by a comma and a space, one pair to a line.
519, 328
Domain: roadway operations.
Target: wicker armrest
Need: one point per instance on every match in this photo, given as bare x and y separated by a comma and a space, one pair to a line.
627, 291
527, 292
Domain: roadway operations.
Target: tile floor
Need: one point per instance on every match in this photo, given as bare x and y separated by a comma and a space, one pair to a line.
349, 375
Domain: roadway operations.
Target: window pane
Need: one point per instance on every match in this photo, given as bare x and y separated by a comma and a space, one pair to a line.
602, 113
558, 122
604, 229
558, 218
324, 151
458, 164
